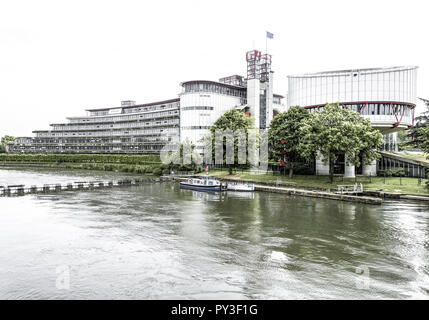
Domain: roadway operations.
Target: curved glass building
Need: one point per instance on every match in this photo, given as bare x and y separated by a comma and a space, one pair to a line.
386, 96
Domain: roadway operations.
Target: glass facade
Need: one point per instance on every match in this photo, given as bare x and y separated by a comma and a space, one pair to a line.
384, 84
207, 86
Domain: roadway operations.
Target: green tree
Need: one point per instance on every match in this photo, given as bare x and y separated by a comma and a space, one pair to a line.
425, 140
4, 141
417, 133
335, 130
235, 121
403, 139
285, 137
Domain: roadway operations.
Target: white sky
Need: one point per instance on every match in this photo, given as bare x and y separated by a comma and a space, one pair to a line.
58, 58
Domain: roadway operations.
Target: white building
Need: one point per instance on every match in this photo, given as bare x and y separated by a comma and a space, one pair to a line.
202, 102
386, 96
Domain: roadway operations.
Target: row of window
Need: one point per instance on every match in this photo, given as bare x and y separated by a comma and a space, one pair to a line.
109, 133
197, 108
125, 118
195, 127
101, 141
55, 149
379, 109
133, 124
137, 109
214, 88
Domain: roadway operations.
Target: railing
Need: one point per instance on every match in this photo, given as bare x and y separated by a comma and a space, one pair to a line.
355, 188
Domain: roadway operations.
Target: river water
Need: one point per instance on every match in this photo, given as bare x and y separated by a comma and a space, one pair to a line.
156, 241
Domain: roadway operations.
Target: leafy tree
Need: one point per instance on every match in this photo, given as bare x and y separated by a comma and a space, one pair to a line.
403, 139
4, 141
425, 140
233, 121
285, 137
335, 130
417, 132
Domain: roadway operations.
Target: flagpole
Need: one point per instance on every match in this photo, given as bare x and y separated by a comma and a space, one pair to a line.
266, 43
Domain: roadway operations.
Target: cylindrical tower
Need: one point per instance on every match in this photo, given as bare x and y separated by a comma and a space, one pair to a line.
202, 102
386, 96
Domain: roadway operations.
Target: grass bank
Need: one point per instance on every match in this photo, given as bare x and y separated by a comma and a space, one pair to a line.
390, 184
140, 164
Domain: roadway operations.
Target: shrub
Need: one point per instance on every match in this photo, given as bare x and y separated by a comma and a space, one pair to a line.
387, 173
157, 171
149, 169
398, 172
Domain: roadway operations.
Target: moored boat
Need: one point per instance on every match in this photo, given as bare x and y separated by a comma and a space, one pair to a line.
236, 186
206, 183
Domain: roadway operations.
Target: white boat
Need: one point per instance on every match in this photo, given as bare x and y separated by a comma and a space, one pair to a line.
236, 186
206, 183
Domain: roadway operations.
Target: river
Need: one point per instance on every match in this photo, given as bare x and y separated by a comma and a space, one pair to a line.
156, 241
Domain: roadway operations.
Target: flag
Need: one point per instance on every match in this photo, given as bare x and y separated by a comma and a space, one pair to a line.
270, 35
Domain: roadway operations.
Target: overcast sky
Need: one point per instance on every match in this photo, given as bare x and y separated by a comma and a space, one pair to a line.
58, 58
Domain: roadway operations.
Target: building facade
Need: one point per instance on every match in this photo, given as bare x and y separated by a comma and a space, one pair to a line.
129, 128
146, 128
385, 96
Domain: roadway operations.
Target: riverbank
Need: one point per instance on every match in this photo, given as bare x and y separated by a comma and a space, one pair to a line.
139, 169
139, 164
389, 187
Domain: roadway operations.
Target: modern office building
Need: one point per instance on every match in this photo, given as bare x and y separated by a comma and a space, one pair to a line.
146, 128
386, 96
130, 128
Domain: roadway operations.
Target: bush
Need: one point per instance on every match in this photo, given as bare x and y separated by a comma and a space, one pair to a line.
398, 172
166, 171
149, 169
157, 171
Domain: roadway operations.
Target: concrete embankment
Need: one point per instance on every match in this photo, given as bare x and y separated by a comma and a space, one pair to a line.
380, 195
391, 195
307, 193
320, 194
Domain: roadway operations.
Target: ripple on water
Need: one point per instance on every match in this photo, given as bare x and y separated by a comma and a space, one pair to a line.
157, 241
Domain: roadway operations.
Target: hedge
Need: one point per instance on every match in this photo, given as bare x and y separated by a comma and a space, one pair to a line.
81, 158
